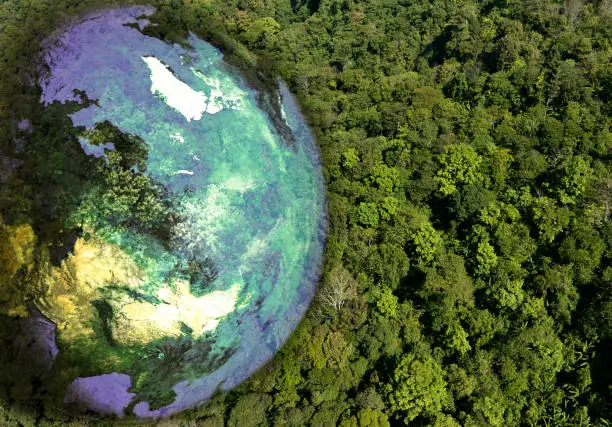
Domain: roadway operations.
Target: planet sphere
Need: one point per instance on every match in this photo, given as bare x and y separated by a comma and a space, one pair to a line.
201, 234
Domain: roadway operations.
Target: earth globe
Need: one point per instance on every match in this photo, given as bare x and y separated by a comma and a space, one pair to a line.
199, 236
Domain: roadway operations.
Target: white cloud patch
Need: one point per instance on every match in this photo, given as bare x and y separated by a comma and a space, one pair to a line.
184, 99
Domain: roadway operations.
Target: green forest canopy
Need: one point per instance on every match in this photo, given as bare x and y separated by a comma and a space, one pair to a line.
466, 149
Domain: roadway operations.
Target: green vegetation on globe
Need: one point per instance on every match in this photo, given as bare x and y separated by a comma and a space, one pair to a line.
465, 150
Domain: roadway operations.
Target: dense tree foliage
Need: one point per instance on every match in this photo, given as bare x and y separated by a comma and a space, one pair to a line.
466, 149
